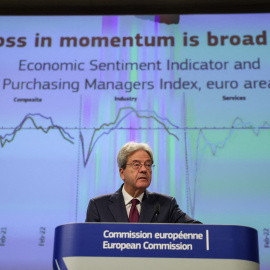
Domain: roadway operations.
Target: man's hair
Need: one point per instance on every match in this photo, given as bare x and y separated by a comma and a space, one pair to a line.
130, 148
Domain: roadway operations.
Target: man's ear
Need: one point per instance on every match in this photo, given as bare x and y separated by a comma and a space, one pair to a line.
121, 172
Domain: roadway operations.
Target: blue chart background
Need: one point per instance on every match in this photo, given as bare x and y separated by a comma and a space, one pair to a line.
211, 154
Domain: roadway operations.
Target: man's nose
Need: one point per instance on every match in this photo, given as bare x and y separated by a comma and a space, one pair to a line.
142, 168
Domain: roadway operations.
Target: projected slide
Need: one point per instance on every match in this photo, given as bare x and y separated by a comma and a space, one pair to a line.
74, 89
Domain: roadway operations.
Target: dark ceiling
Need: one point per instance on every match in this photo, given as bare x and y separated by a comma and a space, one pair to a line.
24, 7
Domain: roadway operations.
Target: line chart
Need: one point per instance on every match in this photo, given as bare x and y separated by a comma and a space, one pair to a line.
165, 124
202, 140
34, 118
202, 143
114, 125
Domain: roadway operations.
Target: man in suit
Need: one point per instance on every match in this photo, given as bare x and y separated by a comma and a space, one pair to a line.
133, 202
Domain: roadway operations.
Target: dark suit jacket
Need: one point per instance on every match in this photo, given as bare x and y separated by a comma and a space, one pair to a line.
111, 208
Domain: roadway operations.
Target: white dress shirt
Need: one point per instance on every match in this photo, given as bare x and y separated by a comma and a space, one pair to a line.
128, 198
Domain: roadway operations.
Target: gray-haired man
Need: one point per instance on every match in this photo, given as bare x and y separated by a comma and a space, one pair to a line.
133, 202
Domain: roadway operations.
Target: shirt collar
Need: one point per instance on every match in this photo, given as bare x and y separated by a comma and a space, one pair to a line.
128, 198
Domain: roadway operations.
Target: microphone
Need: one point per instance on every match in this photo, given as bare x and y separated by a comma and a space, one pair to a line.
157, 210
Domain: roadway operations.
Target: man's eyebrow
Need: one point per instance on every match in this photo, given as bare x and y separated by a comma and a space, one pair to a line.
135, 160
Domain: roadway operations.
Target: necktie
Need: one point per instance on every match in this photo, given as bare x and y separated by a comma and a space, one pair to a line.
134, 214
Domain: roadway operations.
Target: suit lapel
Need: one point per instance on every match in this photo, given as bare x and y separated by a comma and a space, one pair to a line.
148, 208
119, 212
117, 206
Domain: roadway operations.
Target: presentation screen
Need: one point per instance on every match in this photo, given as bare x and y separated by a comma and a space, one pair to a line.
75, 89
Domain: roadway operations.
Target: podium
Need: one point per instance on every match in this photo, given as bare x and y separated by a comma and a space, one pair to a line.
131, 246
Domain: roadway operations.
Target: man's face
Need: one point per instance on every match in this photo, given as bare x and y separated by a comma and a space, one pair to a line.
136, 180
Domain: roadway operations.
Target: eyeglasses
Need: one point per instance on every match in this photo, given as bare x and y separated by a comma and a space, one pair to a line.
137, 165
